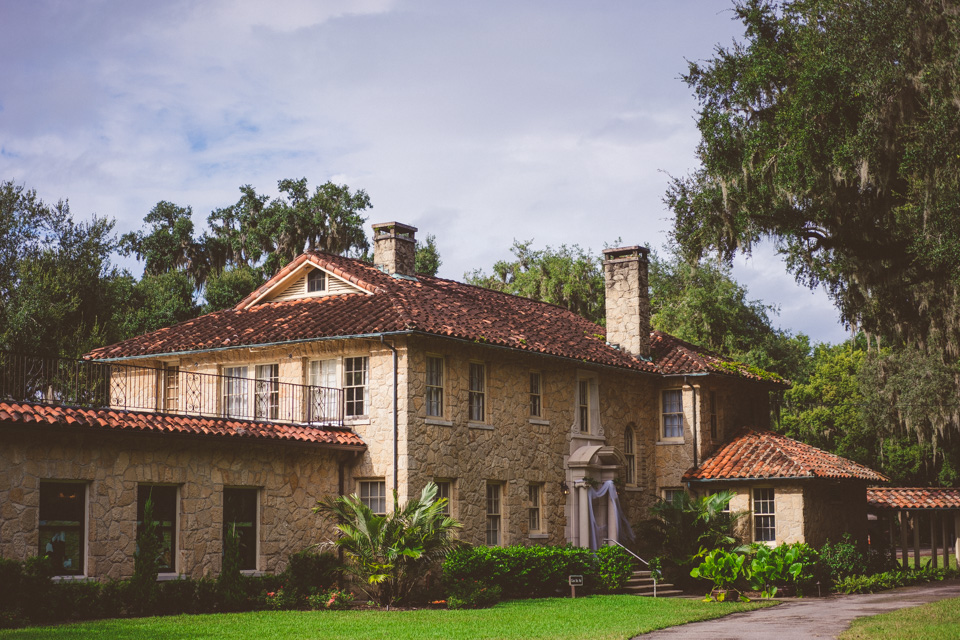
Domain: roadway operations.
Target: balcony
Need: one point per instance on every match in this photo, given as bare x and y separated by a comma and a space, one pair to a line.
171, 390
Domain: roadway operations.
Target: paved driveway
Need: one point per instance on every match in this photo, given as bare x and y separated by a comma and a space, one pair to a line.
804, 618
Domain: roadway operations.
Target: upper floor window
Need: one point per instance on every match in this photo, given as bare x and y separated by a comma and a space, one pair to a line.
536, 395
164, 504
583, 405
672, 406
267, 392
478, 394
235, 392
714, 416
62, 510
171, 388
435, 386
629, 454
324, 398
355, 376
373, 493
316, 280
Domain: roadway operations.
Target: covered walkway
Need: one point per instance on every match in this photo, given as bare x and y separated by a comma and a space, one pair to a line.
905, 514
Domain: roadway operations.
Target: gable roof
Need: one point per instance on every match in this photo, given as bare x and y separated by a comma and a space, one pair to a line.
767, 455
913, 497
425, 304
27, 414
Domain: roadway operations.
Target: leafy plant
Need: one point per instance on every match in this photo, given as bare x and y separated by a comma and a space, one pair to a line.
142, 589
391, 553
230, 581
786, 564
473, 594
721, 567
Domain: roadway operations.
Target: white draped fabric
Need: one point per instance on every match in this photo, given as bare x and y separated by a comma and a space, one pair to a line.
597, 531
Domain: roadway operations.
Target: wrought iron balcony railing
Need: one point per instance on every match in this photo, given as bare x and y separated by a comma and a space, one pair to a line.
94, 384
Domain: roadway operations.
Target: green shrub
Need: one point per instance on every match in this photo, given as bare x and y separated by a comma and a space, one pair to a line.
771, 568
538, 571
142, 592
177, 596
334, 600
233, 597
473, 594
722, 568
308, 572
892, 579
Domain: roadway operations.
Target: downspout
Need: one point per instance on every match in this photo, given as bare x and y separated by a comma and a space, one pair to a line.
396, 428
696, 426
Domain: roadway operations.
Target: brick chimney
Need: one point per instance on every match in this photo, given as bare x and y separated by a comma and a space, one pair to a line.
627, 299
395, 248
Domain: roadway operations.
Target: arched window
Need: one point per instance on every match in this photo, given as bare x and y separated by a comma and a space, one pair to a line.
629, 452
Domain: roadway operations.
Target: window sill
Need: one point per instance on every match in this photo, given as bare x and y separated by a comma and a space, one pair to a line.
251, 573
356, 420
538, 536
480, 425
632, 489
671, 441
588, 436
438, 421
540, 421
168, 577
71, 578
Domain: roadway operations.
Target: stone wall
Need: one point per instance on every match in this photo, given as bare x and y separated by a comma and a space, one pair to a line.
290, 478
510, 447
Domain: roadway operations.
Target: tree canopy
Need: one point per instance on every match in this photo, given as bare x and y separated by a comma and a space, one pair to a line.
834, 130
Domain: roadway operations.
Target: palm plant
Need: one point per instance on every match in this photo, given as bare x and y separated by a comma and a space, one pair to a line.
391, 553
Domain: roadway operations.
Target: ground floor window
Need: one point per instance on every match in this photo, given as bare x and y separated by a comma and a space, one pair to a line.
164, 504
444, 491
764, 518
672, 496
494, 516
373, 493
240, 514
535, 496
62, 508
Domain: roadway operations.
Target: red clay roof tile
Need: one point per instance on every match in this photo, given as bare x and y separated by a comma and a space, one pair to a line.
427, 305
122, 420
766, 455
914, 497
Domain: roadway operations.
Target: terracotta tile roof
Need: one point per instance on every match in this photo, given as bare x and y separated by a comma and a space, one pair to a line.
427, 305
913, 497
140, 421
767, 455
675, 356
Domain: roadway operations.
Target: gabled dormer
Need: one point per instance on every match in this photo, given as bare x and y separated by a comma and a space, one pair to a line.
305, 280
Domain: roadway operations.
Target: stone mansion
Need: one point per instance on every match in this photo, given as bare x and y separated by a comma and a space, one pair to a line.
339, 376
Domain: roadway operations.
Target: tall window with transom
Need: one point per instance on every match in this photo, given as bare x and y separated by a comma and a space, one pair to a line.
477, 394
355, 386
493, 515
435, 386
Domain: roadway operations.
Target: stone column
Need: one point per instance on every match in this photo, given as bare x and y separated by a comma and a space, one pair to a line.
612, 531
583, 493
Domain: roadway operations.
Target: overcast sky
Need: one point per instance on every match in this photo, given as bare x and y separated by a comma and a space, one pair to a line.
479, 122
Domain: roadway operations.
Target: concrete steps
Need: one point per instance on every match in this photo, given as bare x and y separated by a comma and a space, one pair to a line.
641, 584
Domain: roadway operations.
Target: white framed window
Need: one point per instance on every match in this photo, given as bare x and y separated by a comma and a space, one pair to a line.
764, 515
672, 495
373, 493
266, 400
236, 392
714, 415
535, 497
166, 510
355, 378
672, 417
241, 514
583, 405
316, 281
629, 455
324, 399
435, 386
445, 490
494, 516
477, 399
536, 394
63, 510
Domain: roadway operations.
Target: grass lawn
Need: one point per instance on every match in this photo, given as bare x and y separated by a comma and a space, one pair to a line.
595, 617
925, 560
929, 622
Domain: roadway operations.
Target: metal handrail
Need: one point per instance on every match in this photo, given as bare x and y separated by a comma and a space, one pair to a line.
627, 550
171, 390
653, 574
